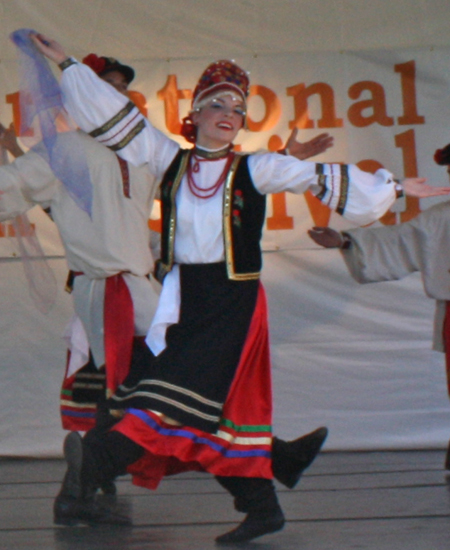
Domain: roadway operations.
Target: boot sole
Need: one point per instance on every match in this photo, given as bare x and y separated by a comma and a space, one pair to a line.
245, 534
69, 522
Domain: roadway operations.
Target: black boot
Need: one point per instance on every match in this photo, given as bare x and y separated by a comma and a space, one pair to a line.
291, 458
256, 524
258, 499
111, 449
75, 502
104, 420
71, 511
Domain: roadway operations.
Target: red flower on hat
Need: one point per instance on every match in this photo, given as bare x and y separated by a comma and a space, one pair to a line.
97, 64
442, 156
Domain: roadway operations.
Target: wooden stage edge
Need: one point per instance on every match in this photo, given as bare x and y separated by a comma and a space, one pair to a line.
346, 500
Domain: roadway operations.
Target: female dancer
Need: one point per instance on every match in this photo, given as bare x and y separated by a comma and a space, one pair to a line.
198, 397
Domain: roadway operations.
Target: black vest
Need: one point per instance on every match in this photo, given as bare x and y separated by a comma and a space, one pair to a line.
243, 218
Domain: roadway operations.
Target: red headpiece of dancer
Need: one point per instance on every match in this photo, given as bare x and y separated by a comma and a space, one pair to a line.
222, 76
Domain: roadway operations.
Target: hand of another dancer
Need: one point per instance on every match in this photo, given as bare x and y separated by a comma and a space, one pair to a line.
311, 148
8, 140
50, 48
326, 237
416, 187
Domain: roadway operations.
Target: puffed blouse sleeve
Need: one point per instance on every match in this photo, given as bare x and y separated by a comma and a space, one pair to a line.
358, 196
113, 120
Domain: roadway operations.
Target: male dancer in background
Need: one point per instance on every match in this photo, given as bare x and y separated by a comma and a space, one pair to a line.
114, 243
394, 251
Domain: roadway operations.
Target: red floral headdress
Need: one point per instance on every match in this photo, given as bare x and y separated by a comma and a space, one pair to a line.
223, 75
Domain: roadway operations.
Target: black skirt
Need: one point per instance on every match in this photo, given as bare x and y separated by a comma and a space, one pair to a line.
189, 381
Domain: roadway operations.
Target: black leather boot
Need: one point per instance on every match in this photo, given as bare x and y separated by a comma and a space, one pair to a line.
75, 502
291, 458
72, 511
257, 498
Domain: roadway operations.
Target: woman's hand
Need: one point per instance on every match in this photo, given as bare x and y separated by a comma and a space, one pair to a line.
307, 149
416, 187
50, 48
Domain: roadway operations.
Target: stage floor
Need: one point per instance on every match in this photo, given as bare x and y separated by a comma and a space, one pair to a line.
369, 501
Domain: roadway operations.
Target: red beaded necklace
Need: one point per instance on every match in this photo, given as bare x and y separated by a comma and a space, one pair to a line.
194, 168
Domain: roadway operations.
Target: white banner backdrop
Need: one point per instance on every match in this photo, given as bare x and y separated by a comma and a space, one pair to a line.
355, 358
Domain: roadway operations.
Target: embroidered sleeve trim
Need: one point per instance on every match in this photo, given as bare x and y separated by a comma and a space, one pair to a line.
343, 195
112, 138
66, 63
335, 185
114, 120
130, 136
321, 181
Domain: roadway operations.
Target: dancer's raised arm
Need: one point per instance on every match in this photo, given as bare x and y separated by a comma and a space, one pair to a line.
106, 114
